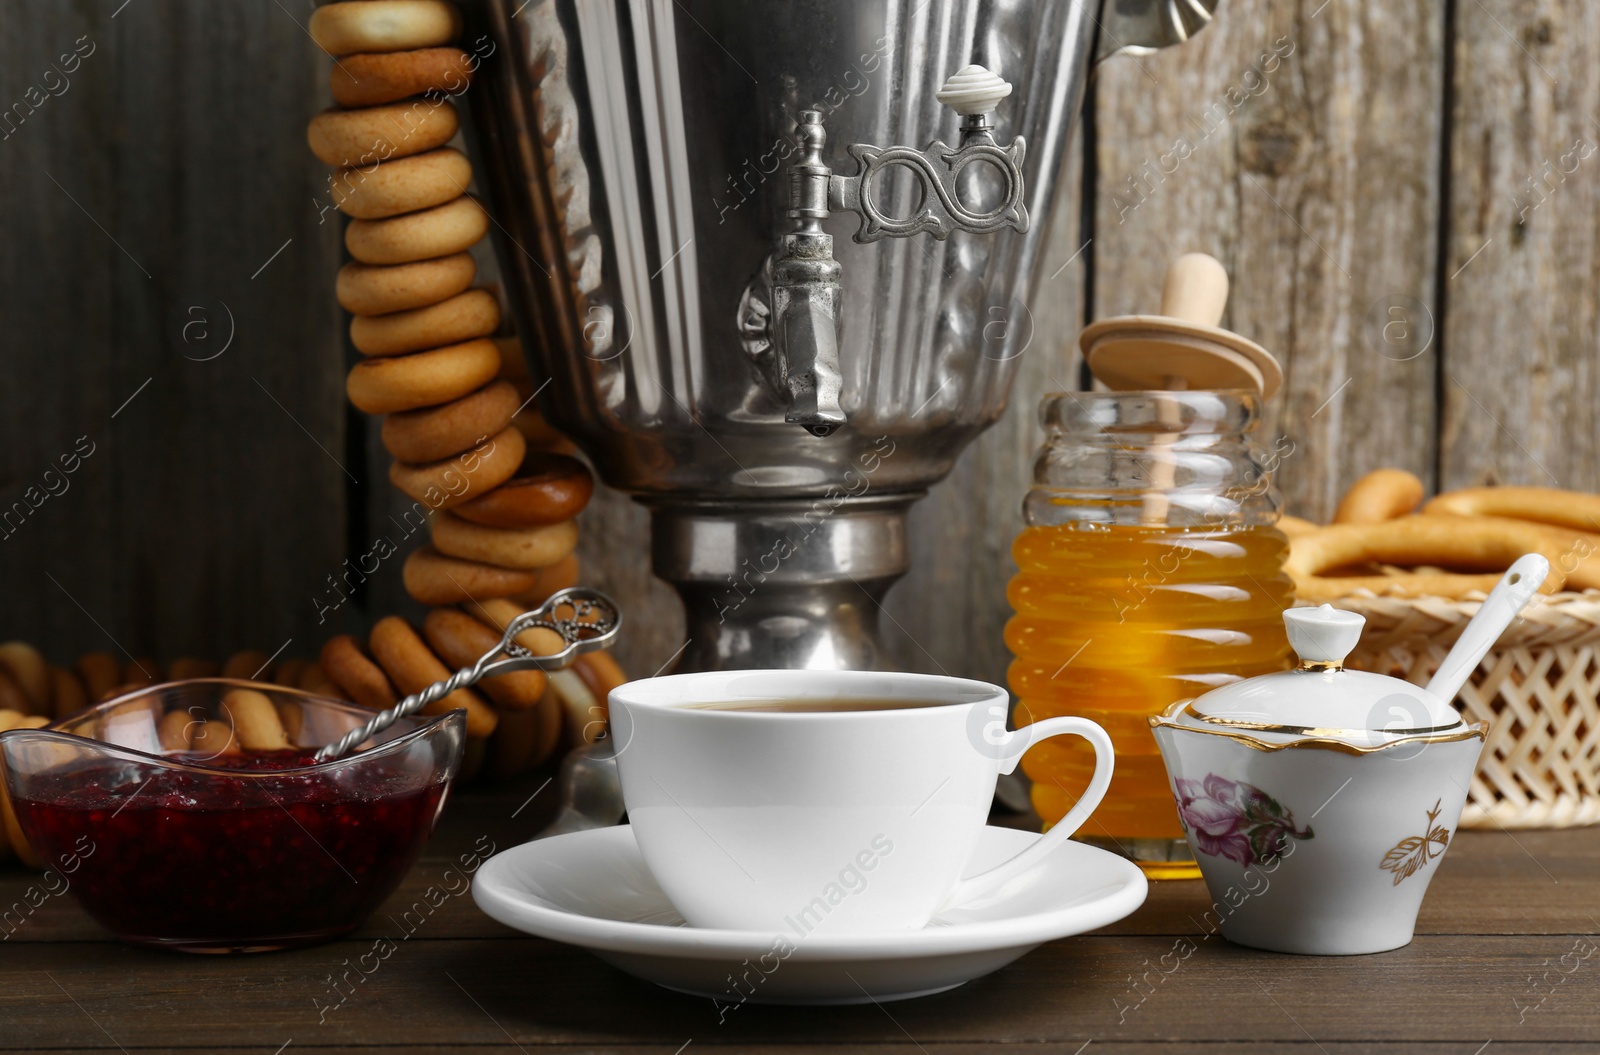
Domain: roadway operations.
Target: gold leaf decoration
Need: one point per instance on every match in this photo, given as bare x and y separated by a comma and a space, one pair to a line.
1410, 854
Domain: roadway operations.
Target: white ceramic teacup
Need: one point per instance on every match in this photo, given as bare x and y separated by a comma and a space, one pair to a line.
824, 821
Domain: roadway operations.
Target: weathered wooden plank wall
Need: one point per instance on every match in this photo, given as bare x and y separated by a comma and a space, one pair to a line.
1521, 379
1299, 143
148, 185
1405, 194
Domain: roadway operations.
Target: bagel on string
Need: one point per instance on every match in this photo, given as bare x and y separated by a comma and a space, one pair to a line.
460, 640
547, 489
381, 289
558, 576
347, 138
375, 78
432, 434
528, 548
433, 578
453, 481
392, 383
465, 316
456, 225
380, 190
384, 25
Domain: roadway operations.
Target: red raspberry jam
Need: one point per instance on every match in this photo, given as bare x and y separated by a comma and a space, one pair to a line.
212, 863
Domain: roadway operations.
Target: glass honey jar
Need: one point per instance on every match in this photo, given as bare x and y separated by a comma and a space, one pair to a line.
1150, 571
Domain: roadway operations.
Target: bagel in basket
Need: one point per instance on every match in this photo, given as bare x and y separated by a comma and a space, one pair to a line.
1453, 555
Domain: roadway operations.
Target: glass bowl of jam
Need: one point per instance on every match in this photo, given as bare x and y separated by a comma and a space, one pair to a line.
194, 817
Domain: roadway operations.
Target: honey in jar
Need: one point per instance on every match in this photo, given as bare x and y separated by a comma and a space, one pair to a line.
1150, 571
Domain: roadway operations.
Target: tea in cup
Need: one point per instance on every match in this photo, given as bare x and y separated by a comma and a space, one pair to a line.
810, 801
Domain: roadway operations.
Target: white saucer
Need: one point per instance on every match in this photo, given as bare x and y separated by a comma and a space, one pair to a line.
591, 889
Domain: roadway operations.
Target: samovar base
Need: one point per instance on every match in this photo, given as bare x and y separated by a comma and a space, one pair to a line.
781, 583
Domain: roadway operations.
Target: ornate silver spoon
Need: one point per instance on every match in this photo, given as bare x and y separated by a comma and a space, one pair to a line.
587, 621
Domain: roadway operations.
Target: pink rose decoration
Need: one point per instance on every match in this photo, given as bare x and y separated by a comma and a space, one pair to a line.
1232, 819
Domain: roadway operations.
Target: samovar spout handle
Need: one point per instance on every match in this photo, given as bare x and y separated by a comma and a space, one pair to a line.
807, 336
806, 294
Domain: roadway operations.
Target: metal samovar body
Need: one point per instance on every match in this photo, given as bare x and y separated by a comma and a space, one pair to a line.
775, 379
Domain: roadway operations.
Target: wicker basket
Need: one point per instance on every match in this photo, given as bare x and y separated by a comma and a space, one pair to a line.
1539, 690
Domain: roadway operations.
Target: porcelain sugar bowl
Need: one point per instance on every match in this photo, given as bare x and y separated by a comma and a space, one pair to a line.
1318, 801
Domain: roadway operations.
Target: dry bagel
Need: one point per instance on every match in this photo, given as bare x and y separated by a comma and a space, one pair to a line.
540, 434
100, 672
10, 831
1456, 542
547, 489
377, 289
601, 673
422, 235
558, 576
528, 548
389, 188
1579, 551
1382, 494
460, 640
141, 671
349, 138
1580, 555
1546, 505
67, 693
255, 721
31, 673
412, 667
12, 698
185, 667
435, 433
393, 383
319, 684
384, 77
499, 613
1293, 526
432, 578
289, 672
176, 731
384, 25
472, 314
248, 665
448, 483
354, 672
515, 744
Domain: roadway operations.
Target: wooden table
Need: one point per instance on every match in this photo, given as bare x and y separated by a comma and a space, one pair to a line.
1504, 953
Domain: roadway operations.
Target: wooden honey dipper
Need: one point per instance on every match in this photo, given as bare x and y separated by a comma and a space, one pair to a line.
1181, 348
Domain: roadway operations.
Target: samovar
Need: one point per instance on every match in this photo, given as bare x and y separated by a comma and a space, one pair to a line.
666, 178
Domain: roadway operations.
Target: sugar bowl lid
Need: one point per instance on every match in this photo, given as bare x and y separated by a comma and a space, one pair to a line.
1320, 699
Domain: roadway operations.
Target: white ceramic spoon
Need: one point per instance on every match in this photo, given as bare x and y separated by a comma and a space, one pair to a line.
1509, 596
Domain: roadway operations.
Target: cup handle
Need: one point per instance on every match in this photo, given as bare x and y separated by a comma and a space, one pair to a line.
1024, 738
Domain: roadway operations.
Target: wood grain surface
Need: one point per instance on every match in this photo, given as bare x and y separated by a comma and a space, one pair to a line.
1521, 375
162, 203
1299, 144
1486, 966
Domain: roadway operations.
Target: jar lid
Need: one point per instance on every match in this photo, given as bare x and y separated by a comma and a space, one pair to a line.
1320, 698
